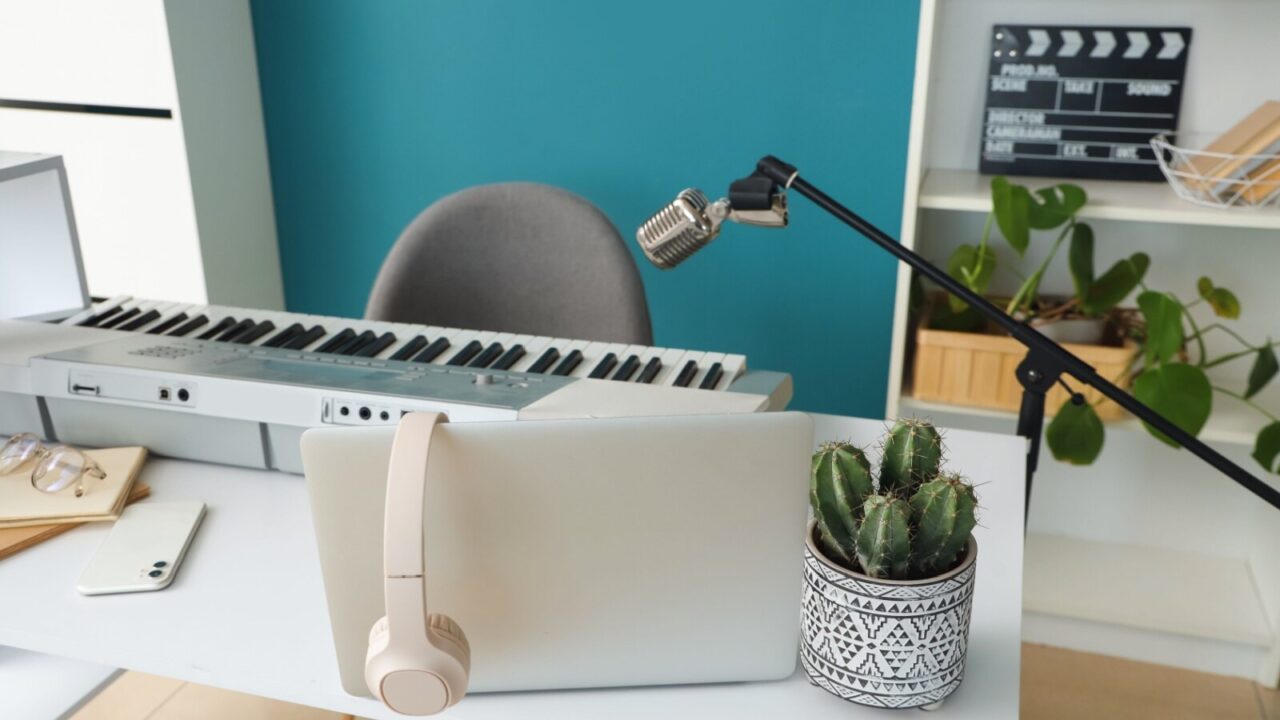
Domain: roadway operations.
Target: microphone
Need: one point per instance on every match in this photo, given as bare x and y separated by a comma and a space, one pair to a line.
689, 223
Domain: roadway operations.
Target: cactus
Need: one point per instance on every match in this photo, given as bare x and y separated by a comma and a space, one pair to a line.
884, 539
912, 454
915, 526
839, 482
942, 511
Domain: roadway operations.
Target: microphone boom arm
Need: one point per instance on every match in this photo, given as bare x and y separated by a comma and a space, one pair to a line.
1046, 361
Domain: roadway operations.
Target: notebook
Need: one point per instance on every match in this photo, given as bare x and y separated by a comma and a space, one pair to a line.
1255, 134
22, 505
16, 539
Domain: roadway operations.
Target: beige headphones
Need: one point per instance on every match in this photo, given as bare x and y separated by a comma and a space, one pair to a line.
418, 664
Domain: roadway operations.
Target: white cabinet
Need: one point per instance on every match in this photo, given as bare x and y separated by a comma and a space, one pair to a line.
155, 108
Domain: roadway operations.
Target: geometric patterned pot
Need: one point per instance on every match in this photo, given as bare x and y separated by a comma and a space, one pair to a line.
885, 643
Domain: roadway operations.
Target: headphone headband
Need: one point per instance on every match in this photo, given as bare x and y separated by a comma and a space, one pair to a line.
406, 489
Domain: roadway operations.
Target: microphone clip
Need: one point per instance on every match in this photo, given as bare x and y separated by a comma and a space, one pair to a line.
756, 200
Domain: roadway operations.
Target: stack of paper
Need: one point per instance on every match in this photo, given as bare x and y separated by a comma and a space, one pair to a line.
22, 505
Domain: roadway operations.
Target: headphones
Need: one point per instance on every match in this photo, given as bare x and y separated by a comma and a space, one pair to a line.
418, 663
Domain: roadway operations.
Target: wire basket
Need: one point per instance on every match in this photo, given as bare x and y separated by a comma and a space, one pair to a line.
1222, 180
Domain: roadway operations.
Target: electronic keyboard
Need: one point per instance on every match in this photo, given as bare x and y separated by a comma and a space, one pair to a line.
238, 386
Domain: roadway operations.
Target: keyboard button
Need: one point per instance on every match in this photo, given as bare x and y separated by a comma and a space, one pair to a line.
383, 342
336, 342
569, 363
167, 325
255, 333
117, 319
407, 350
712, 378
464, 355
284, 336
303, 341
627, 369
432, 351
223, 325
145, 318
357, 343
686, 374
509, 358
604, 367
544, 361
486, 358
190, 326
650, 371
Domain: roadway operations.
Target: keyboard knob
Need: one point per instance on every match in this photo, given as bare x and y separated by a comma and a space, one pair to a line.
483, 379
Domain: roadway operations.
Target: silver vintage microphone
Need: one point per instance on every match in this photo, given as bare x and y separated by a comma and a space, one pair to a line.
690, 222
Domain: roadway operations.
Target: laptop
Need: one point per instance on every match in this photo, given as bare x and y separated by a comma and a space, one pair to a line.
583, 553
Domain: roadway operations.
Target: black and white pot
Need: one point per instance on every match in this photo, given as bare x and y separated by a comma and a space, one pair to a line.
885, 643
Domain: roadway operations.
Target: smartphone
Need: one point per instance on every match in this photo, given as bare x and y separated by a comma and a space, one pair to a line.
143, 550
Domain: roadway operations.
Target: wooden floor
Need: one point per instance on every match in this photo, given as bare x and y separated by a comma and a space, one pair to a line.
1056, 685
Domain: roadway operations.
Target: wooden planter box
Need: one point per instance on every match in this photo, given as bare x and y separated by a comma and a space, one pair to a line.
977, 369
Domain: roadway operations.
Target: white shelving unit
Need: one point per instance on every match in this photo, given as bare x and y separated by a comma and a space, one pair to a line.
1116, 560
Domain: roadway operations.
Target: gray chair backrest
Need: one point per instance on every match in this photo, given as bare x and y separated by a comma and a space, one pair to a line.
514, 257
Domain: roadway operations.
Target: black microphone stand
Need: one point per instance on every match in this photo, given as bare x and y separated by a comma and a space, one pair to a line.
1046, 361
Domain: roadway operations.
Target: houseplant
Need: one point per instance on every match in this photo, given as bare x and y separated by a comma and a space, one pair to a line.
889, 570
959, 360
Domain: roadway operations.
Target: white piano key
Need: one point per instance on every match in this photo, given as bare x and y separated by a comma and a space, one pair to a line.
95, 308
704, 366
694, 355
669, 359
534, 346
734, 367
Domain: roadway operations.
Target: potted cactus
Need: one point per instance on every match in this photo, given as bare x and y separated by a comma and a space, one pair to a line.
889, 569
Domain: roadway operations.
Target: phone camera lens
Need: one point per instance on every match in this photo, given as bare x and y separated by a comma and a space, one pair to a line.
160, 564
156, 573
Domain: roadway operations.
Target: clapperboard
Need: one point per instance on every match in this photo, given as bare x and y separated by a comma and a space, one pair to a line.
1081, 102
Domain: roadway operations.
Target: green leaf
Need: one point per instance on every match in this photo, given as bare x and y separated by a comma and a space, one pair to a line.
1264, 368
967, 319
1223, 301
1080, 258
1266, 450
1178, 391
1075, 434
1052, 206
1012, 207
1163, 316
1115, 284
972, 265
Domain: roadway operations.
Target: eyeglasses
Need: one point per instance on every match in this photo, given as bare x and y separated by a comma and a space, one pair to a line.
57, 467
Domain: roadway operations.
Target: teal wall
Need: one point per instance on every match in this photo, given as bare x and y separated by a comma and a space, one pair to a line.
376, 109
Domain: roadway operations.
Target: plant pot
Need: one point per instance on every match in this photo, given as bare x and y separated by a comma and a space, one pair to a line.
1079, 331
977, 369
885, 643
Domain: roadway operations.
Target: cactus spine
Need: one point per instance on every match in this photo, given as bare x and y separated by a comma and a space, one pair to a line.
912, 456
915, 526
884, 540
839, 483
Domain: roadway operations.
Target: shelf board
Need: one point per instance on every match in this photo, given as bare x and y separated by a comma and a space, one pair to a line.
967, 190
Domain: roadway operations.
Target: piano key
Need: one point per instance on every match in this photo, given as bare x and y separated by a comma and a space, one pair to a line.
487, 356
117, 318
464, 355
592, 354
509, 358
627, 369
357, 343
734, 367
145, 318
672, 359
82, 317
413, 345
236, 330
432, 351
222, 326
569, 363
686, 374
704, 368
254, 333
604, 367
712, 378
650, 371
383, 342
303, 341
336, 342
284, 335
167, 324
99, 317
544, 361
190, 326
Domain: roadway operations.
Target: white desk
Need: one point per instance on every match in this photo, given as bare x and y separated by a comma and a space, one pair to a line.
247, 611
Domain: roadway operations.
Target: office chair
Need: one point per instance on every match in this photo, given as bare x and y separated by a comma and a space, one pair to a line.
514, 257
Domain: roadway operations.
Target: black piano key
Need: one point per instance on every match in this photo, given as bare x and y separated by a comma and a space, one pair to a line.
605, 365
357, 343
408, 349
628, 368
336, 342
254, 333
167, 324
223, 325
569, 363
377, 346
433, 351
464, 355
284, 335
651, 370
305, 339
145, 318
94, 320
686, 374
544, 361
190, 326
236, 330
714, 373
107, 325
484, 359
509, 358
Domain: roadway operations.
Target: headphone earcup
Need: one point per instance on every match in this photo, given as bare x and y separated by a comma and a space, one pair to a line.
446, 629
378, 630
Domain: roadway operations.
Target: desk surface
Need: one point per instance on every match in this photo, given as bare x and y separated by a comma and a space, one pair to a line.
247, 610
